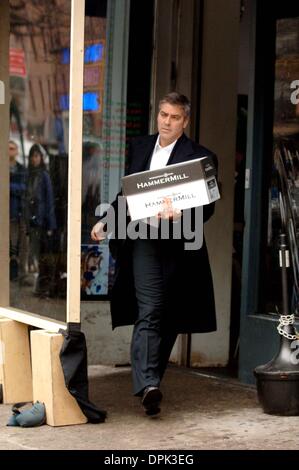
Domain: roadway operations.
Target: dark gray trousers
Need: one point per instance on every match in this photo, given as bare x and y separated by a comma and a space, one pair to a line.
151, 342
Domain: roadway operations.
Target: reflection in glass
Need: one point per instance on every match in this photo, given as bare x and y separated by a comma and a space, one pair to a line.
92, 152
41, 223
284, 185
104, 132
38, 155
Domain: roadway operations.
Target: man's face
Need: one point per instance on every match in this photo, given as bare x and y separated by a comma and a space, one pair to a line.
172, 121
12, 151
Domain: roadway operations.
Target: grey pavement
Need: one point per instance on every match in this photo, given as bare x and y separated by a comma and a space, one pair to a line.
198, 412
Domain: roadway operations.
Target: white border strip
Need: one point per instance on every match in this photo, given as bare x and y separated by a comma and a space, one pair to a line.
75, 162
32, 319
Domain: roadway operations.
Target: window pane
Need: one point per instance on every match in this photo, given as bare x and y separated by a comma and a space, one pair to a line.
38, 153
104, 132
284, 189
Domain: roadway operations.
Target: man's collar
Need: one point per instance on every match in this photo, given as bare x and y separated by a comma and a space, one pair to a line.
168, 148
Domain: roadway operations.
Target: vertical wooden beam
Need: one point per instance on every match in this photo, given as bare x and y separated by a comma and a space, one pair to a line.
75, 161
4, 162
15, 366
48, 380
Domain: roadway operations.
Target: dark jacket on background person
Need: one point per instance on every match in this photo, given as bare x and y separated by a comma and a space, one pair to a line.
17, 190
188, 281
40, 200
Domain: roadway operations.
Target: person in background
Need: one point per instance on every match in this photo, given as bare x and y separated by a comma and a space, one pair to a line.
41, 221
18, 240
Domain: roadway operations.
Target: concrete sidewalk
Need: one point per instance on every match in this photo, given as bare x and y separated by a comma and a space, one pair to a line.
198, 412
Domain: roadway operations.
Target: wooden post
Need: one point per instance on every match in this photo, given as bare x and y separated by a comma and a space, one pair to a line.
48, 380
75, 163
15, 367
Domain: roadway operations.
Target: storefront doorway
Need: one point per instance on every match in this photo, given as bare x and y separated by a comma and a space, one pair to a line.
270, 183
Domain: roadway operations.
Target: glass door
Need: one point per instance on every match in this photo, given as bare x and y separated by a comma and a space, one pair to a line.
39, 72
271, 181
283, 192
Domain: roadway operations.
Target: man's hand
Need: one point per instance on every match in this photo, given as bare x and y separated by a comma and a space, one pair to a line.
168, 212
98, 234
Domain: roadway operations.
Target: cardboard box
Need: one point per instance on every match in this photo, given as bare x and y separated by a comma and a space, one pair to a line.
188, 184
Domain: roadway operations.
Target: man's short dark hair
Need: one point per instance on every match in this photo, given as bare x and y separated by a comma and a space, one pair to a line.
177, 99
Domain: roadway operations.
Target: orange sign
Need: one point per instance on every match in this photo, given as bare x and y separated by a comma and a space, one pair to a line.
17, 66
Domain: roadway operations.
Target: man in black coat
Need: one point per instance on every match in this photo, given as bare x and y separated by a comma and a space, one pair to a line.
162, 286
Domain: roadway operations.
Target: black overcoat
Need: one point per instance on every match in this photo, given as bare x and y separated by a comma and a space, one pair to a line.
190, 306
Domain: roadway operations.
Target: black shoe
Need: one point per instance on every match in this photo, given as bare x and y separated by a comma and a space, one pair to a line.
151, 400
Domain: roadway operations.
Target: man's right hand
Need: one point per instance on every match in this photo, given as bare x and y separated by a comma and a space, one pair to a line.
98, 234
168, 212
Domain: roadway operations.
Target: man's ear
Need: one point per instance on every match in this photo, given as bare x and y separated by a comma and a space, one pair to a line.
186, 122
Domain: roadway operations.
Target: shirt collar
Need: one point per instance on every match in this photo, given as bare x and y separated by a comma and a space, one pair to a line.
167, 149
